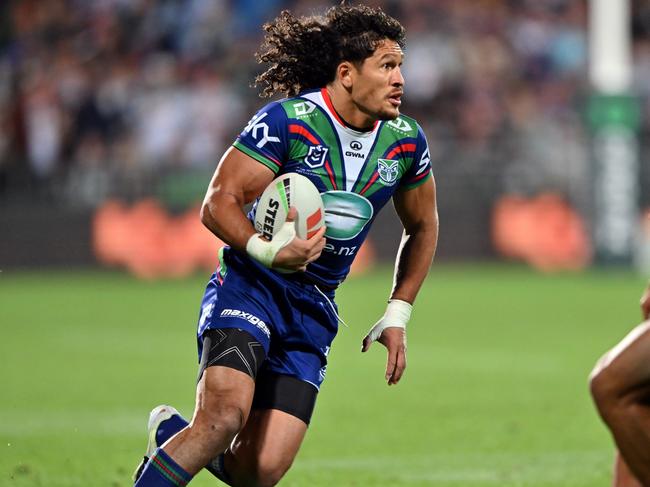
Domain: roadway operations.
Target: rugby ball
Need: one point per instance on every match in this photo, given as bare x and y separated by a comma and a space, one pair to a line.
291, 189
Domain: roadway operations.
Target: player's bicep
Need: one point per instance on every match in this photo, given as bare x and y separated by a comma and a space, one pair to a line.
417, 208
240, 176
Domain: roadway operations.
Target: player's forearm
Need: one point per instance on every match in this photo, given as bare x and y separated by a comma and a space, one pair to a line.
222, 213
414, 259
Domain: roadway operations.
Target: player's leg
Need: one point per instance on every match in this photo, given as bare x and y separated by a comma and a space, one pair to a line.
265, 449
224, 395
260, 302
620, 386
223, 399
622, 475
286, 389
261, 453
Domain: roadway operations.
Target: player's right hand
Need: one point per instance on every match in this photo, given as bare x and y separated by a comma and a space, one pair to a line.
299, 252
645, 303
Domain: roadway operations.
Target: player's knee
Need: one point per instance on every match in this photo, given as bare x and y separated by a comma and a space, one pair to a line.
599, 384
604, 389
219, 423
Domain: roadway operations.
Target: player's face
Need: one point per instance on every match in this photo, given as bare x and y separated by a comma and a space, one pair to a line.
378, 84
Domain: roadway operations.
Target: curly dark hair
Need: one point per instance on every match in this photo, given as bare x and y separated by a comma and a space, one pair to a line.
303, 53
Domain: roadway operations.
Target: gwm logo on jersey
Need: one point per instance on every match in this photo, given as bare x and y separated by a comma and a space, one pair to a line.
316, 156
356, 146
388, 170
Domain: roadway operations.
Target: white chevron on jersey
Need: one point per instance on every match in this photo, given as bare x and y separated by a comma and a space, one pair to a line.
355, 146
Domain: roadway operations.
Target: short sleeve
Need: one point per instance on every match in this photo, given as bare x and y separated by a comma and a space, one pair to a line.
265, 137
420, 169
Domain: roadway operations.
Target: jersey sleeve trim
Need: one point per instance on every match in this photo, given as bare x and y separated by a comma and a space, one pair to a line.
414, 183
270, 163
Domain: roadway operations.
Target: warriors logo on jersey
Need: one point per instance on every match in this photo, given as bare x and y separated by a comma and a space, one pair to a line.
387, 170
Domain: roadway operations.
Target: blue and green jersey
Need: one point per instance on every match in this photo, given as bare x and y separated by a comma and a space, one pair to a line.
355, 172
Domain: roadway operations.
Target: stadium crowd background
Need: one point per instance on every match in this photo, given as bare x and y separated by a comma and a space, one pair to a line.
129, 99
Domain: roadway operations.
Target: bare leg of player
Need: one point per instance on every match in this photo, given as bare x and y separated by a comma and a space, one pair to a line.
622, 475
223, 399
620, 385
265, 449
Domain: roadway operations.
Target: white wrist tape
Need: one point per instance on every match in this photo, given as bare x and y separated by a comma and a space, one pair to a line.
264, 251
397, 315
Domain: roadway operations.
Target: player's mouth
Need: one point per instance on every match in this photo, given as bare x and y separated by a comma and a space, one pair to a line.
395, 98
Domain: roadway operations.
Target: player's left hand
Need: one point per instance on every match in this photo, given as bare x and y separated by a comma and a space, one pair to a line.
394, 339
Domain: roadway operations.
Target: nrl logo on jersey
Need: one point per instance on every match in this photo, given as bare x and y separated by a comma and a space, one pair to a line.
388, 170
316, 156
303, 108
400, 125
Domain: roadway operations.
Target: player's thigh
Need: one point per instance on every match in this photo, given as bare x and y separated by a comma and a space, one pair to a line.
626, 366
229, 365
223, 388
266, 447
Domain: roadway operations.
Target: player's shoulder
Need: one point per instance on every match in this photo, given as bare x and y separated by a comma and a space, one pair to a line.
273, 108
291, 107
273, 114
404, 126
304, 105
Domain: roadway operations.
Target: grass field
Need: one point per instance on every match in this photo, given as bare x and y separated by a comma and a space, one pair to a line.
495, 393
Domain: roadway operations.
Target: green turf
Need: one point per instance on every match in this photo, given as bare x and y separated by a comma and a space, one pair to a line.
495, 393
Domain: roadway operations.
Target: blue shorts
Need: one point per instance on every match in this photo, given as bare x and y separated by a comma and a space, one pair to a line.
292, 320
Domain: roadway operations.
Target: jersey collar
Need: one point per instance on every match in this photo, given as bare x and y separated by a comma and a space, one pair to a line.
335, 116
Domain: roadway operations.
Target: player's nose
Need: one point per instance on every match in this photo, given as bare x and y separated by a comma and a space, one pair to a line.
397, 78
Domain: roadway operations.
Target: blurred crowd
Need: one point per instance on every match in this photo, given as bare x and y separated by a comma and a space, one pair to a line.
102, 98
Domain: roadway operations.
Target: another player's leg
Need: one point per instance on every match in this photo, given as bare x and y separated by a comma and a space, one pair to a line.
620, 386
622, 475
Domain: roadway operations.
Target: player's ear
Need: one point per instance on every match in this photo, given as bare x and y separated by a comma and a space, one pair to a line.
344, 73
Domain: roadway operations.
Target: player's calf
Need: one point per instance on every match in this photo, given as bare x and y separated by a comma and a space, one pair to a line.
223, 400
260, 471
